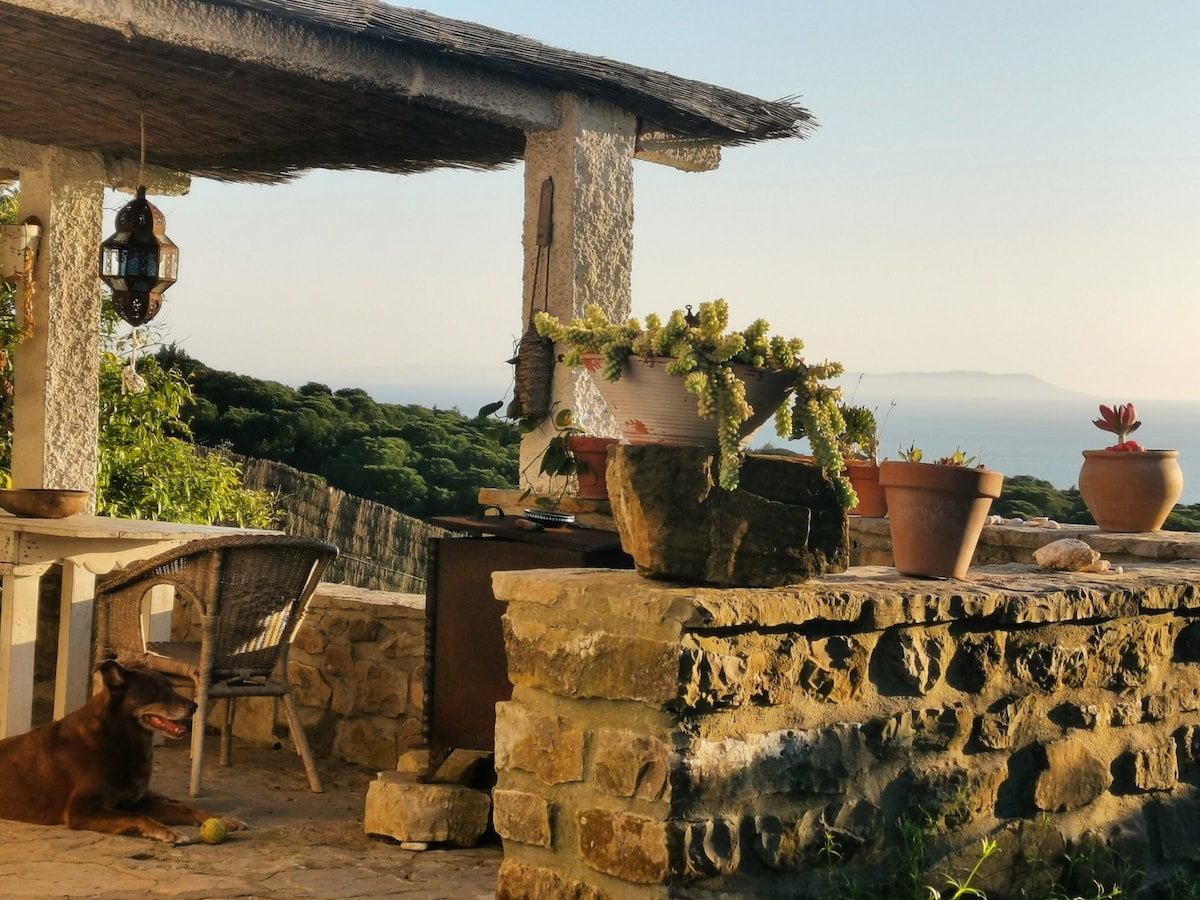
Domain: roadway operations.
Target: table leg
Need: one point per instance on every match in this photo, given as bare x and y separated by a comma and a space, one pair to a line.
72, 680
18, 635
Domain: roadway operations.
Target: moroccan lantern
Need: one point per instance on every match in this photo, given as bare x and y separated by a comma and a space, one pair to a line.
139, 261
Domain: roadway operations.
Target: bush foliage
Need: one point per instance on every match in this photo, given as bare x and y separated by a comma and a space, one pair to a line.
420, 461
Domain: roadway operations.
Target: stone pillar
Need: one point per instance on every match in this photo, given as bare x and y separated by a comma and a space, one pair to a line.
56, 407
589, 258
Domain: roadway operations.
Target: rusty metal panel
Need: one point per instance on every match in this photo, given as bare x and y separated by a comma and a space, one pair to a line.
468, 670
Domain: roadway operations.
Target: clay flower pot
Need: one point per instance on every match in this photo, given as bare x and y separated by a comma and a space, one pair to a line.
591, 459
1130, 490
652, 406
864, 478
937, 513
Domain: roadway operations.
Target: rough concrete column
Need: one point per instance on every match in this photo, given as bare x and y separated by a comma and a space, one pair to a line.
56, 407
589, 258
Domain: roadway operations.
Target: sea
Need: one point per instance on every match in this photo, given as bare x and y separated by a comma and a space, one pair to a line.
1042, 438
1015, 424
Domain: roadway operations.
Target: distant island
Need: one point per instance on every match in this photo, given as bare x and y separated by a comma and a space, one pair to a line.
957, 383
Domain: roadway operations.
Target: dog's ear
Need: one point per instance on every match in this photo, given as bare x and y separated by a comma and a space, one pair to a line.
113, 673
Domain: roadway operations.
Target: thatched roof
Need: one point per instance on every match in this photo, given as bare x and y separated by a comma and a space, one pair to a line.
259, 90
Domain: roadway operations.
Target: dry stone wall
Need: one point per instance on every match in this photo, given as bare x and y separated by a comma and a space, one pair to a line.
674, 741
357, 668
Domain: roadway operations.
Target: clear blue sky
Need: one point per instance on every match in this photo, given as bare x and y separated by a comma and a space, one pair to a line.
1003, 187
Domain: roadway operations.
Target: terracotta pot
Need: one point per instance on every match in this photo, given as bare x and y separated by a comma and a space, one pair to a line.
591, 455
652, 406
937, 514
864, 478
1130, 491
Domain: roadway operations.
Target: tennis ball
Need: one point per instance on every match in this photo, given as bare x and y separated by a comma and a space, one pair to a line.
212, 831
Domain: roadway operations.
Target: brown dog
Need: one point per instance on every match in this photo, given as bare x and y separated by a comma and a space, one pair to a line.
91, 769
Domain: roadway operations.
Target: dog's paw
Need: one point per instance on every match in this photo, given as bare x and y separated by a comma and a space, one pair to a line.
167, 835
232, 824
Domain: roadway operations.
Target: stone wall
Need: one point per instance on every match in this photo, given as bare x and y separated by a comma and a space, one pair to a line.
357, 668
673, 741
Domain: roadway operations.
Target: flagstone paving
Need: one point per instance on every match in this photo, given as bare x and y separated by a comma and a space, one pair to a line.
299, 844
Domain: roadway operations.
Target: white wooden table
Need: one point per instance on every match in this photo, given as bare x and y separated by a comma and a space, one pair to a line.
85, 546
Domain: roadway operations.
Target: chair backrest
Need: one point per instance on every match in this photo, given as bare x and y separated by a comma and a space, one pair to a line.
257, 600
251, 591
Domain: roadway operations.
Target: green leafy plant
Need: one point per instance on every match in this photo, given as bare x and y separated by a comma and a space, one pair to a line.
958, 458
962, 887
702, 350
149, 469
556, 461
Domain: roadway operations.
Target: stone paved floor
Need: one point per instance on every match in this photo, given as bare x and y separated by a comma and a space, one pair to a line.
299, 845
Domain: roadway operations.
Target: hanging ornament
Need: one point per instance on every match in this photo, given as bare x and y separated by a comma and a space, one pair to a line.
139, 261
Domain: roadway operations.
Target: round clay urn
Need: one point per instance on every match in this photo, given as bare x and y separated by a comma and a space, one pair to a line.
936, 514
1130, 490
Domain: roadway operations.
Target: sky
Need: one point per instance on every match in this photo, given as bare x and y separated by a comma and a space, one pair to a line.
999, 187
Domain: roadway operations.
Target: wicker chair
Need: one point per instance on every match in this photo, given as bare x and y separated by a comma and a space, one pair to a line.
251, 592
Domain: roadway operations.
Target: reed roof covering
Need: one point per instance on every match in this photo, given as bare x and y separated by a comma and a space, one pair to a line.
261, 90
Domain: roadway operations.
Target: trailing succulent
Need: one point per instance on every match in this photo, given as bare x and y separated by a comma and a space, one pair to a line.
702, 350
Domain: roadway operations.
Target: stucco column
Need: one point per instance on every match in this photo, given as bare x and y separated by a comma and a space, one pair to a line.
589, 257
56, 370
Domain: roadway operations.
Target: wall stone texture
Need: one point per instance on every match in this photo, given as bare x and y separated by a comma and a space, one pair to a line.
712, 742
357, 668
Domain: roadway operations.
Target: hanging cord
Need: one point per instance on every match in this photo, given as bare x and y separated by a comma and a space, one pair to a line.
131, 381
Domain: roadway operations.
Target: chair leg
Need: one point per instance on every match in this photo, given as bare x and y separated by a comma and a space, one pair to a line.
198, 721
227, 730
301, 742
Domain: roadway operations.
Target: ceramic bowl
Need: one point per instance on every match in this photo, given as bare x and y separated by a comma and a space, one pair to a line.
43, 503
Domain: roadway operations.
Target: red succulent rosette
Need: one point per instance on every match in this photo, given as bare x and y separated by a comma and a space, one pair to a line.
1122, 421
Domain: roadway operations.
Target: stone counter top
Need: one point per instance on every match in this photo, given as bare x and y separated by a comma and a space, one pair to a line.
870, 597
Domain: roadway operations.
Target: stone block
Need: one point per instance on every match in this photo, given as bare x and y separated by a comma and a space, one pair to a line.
465, 767
910, 662
1071, 778
1002, 721
308, 685
632, 765
545, 746
520, 881
577, 663
709, 679
782, 525
521, 816
372, 741
414, 763
624, 845
935, 729
434, 813
380, 690
711, 847
1155, 768
835, 669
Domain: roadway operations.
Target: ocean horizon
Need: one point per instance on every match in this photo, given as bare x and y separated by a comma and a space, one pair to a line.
1042, 434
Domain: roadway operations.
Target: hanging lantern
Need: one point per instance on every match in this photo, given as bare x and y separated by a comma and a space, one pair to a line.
139, 261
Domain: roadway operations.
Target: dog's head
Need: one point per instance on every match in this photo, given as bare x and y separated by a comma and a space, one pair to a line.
149, 698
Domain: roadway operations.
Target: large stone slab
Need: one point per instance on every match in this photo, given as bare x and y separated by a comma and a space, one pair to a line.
782, 525
407, 811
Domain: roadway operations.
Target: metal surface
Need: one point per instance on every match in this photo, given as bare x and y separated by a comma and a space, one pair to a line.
467, 666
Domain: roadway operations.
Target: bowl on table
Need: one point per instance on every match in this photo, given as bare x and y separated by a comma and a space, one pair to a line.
43, 503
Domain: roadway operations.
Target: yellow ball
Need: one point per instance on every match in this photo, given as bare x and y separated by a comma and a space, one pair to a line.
212, 831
